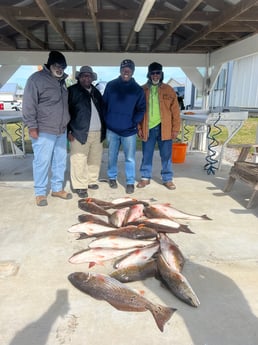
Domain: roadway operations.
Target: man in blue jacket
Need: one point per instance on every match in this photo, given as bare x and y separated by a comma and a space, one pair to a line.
124, 108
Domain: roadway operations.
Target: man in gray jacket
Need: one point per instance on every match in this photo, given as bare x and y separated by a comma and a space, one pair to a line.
45, 111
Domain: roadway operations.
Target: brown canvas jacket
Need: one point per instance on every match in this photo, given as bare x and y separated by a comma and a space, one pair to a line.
169, 112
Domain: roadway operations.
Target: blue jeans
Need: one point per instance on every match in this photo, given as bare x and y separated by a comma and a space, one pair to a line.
50, 151
114, 142
165, 151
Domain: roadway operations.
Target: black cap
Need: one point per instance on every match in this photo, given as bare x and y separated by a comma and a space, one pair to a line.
56, 57
127, 63
155, 66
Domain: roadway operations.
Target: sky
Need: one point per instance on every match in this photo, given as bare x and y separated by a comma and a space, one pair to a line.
105, 73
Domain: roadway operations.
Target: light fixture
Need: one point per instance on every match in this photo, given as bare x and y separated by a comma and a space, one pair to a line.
145, 10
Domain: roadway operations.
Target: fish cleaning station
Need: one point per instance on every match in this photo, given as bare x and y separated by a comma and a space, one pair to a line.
161, 267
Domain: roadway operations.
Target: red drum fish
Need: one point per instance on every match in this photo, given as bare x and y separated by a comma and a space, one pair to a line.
97, 255
104, 287
86, 217
118, 217
118, 242
138, 256
164, 225
90, 228
98, 202
176, 283
135, 212
130, 231
171, 253
91, 207
168, 211
136, 272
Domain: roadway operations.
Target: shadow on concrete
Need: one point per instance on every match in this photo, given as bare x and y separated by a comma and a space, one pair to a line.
224, 316
38, 331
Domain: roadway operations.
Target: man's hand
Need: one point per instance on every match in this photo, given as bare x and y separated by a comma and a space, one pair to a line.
70, 137
140, 133
174, 135
34, 133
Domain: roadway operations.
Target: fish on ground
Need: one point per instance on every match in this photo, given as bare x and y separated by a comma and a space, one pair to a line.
91, 207
104, 287
90, 228
86, 217
135, 212
118, 242
176, 283
168, 211
130, 231
127, 198
98, 202
136, 272
128, 203
96, 256
171, 252
138, 256
118, 217
163, 225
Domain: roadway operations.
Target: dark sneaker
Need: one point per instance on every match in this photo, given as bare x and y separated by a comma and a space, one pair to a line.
112, 183
82, 193
93, 186
129, 188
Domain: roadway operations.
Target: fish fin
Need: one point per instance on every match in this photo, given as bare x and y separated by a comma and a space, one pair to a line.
92, 264
185, 228
204, 216
81, 236
161, 315
141, 292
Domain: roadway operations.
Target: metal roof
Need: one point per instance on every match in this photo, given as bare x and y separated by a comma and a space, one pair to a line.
172, 26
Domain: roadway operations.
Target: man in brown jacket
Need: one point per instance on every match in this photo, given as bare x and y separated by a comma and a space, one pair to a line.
161, 124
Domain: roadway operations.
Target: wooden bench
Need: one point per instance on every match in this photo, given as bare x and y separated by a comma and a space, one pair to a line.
245, 171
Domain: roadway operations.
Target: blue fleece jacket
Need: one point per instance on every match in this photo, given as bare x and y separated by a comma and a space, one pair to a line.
125, 106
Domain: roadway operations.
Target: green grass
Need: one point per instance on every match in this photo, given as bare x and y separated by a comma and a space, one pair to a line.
246, 135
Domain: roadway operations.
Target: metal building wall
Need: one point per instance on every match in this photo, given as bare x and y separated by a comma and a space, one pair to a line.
244, 83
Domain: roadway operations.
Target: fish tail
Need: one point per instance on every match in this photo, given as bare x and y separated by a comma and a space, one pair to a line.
204, 216
161, 315
185, 228
81, 236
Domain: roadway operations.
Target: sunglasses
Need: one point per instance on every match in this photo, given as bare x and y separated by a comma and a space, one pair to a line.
155, 72
57, 66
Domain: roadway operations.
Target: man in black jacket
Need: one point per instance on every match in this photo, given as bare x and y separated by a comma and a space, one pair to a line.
86, 131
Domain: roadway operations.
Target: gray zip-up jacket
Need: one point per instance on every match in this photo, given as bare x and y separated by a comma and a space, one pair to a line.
45, 103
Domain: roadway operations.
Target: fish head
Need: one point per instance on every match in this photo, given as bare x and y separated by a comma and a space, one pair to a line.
79, 277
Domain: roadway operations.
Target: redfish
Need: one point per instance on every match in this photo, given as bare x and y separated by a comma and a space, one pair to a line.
176, 283
91, 207
138, 256
130, 231
136, 272
168, 211
118, 242
97, 255
104, 287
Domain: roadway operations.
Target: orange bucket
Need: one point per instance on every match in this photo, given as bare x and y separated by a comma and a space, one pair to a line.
179, 152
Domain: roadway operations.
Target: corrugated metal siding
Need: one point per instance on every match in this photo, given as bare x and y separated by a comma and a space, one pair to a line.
244, 86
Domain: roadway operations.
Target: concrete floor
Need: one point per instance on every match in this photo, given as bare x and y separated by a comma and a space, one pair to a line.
39, 306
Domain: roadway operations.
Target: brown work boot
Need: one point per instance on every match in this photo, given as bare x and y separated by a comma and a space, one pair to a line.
169, 185
142, 183
41, 200
62, 194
